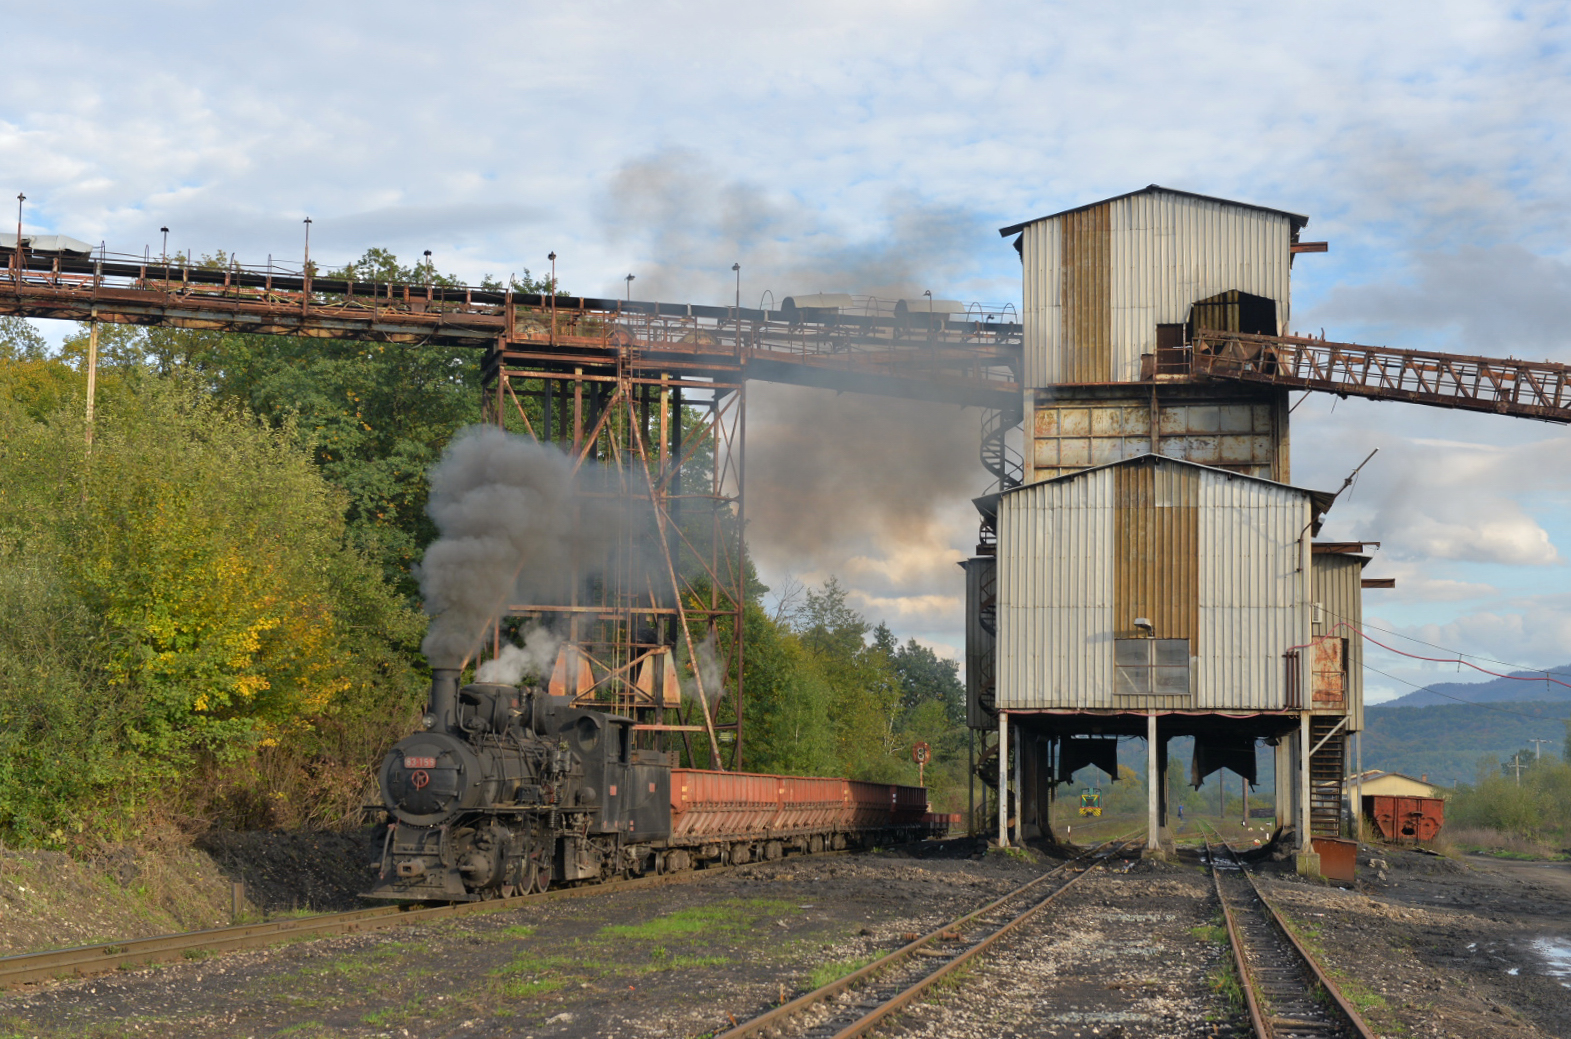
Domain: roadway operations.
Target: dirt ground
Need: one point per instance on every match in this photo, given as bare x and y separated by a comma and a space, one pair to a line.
1431, 946
675, 961
50, 900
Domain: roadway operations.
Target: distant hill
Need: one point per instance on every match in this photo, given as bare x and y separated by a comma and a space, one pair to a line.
1447, 741
1496, 690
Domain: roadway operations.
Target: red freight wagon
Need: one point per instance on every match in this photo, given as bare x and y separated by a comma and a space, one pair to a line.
1400, 819
797, 812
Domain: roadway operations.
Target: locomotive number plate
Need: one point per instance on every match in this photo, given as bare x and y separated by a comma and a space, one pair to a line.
420, 763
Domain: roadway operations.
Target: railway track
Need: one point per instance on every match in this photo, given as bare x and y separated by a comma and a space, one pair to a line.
1288, 994
87, 960
895, 981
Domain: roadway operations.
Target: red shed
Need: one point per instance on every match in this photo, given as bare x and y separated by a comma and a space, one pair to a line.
1399, 819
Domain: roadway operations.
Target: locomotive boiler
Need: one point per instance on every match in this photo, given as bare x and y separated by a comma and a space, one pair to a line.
508, 790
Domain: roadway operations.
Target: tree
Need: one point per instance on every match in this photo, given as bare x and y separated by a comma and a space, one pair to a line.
188, 581
864, 693
925, 677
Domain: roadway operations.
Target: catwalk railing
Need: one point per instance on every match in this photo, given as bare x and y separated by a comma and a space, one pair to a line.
1501, 386
967, 358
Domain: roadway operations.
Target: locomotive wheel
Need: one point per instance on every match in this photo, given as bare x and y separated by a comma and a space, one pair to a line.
540, 878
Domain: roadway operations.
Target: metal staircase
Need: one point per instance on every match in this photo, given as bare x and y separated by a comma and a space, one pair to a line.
1002, 461
1327, 766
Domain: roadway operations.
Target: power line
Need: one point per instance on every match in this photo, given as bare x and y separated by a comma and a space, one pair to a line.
1458, 699
1458, 652
1437, 660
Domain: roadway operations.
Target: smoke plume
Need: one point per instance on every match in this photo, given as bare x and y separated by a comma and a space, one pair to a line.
512, 525
873, 489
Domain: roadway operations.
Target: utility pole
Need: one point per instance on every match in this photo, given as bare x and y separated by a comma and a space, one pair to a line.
16, 252
1538, 750
1516, 763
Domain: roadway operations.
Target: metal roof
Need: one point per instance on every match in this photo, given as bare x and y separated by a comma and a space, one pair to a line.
46, 243
987, 504
1298, 219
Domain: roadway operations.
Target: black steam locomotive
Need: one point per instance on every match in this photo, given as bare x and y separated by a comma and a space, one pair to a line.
509, 790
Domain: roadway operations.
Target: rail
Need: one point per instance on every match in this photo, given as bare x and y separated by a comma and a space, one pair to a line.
87, 960
912, 977
1276, 972
1502, 386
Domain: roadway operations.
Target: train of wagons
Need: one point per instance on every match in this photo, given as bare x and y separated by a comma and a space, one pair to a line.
509, 790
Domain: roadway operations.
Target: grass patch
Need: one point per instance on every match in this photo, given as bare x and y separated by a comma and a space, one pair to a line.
529, 989
395, 1015
517, 931
305, 1030
732, 915
1215, 933
1224, 981
528, 963
824, 973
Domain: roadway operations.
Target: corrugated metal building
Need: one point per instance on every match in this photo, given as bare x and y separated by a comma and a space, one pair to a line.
1214, 562
1101, 278
1155, 574
1112, 293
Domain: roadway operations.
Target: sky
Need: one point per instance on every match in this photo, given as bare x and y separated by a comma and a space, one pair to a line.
877, 147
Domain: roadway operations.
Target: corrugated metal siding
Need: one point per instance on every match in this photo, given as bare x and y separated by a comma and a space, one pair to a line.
1156, 554
1042, 310
1163, 252
1250, 591
1338, 588
1055, 594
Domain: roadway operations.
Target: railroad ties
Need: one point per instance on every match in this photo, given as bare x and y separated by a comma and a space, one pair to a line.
857, 1003
1289, 996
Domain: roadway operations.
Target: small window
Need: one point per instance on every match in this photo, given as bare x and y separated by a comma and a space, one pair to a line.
1151, 667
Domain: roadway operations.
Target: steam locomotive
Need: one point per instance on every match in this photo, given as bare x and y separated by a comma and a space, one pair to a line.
510, 790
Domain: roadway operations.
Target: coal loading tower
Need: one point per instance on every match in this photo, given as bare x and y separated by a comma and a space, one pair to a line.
1154, 571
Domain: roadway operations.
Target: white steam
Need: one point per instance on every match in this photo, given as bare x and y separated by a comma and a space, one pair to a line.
534, 659
710, 674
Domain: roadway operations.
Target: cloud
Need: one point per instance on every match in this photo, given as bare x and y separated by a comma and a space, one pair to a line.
685, 223
1415, 584
1518, 633
876, 146
1430, 499
1499, 300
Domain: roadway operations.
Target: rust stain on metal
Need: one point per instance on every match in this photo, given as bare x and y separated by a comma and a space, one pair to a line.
1085, 292
1157, 537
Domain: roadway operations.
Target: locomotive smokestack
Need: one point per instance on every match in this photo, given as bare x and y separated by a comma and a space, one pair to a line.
444, 694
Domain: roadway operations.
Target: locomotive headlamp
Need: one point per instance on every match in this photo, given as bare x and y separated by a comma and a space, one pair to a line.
429, 721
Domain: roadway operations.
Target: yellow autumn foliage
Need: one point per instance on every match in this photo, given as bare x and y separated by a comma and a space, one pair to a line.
228, 617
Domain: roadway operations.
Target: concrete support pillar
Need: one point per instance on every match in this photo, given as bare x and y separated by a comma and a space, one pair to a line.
1020, 786
1302, 782
1003, 779
1358, 793
1282, 780
1308, 861
1153, 788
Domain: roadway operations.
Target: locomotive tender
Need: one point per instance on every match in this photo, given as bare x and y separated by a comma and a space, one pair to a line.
510, 790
